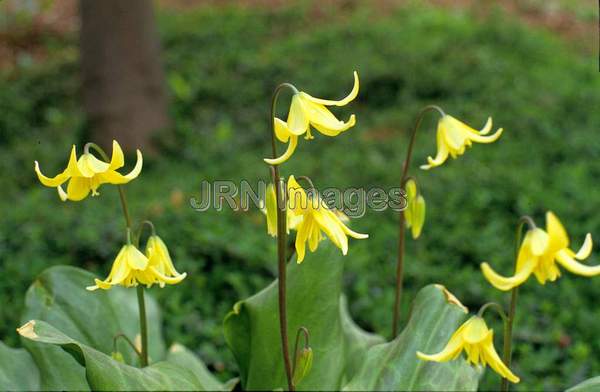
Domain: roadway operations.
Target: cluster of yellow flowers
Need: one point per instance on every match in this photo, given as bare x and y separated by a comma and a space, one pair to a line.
131, 267
307, 213
540, 253
309, 216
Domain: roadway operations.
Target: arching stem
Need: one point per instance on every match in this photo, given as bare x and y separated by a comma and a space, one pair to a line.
281, 240
402, 223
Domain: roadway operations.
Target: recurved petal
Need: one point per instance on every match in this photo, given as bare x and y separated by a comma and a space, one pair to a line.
332, 227
114, 177
586, 249
117, 159
558, 235
323, 120
61, 193
505, 284
574, 266
452, 349
487, 127
341, 127
350, 97
287, 154
167, 279
486, 139
50, 181
492, 358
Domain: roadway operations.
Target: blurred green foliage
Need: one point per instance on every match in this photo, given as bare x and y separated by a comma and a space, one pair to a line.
222, 64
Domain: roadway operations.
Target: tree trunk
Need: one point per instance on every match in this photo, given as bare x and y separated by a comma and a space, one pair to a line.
123, 82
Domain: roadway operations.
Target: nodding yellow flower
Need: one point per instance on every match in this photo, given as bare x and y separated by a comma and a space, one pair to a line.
88, 172
306, 111
316, 217
160, 263
477, 340
270, 210
540, 253
414, 214
131, 267
454, 136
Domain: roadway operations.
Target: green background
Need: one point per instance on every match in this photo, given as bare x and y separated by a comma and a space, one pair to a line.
222, 64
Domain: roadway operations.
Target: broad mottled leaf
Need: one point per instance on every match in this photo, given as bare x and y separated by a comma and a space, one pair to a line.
590, 385
395, 366
18, 372
104, 373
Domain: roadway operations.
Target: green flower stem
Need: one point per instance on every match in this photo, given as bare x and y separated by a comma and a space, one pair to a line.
143, 325
281, 240
497, 307
140, 289
508, 325
141, 228
402, 223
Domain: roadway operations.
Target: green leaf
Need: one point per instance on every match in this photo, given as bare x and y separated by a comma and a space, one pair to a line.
313, 295
395, 366
17, 370
104, 373
183, 358
356, 340
59, 297
589, 385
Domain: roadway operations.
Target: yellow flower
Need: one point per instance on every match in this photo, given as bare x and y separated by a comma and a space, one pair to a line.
270, 210
129, 269
160, 263
414, 214
477, 340
453, 136
539, 254
306, 111
132, 267
88, 173
316, 217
